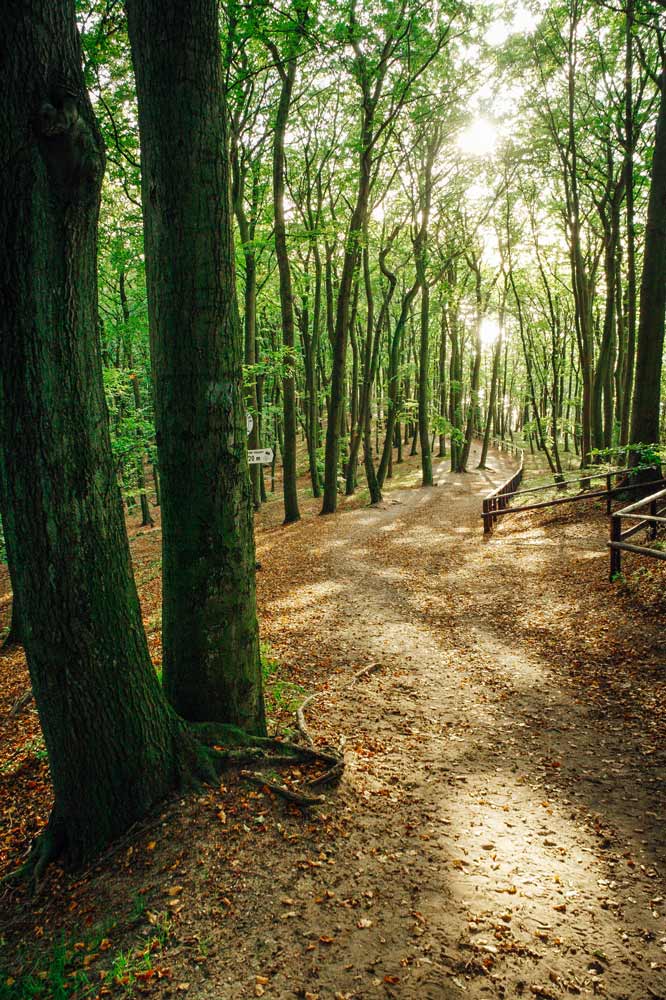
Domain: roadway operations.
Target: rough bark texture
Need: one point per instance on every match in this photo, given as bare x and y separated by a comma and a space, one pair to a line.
14, 636
629, 139
645, 413
114, 746
211, 644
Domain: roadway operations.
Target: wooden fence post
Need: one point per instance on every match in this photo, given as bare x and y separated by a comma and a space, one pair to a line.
653, 512
487, 519
615, 554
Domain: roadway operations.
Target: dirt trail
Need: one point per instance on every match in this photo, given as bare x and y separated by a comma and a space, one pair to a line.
500, 827
497, 839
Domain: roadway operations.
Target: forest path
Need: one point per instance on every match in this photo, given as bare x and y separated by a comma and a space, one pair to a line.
493, 838
500, 828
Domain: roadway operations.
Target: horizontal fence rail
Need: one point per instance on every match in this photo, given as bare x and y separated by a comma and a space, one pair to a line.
493, 509
496, 502
648, 515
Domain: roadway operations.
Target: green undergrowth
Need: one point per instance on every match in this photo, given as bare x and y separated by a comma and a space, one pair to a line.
282, 697
88, 963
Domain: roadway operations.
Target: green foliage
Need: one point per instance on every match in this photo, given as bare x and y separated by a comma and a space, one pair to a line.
132, 429
282, 696
59, 970
645, 455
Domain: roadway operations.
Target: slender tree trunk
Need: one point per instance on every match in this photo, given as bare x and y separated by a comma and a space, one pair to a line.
443, 387
424, 388
456, 394
212, 667
246, 227
497, 354
146, 517
287, 70
527, 353
370, 360
394, 383
601, 417
341, 330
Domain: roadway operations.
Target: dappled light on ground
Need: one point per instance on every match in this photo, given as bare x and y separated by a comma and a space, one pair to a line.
499, 831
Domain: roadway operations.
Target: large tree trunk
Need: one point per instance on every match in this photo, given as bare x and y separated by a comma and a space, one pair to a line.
14, 636
645, 412
212, 668
114, 745
629, 139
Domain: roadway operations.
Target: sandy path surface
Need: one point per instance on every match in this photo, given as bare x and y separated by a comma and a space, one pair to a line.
491, 837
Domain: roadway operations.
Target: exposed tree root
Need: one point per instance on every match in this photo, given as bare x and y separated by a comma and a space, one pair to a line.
300, 719
330, 777
235, 746
48, 846
262, 750
22, 702
301, 724
365, 672
211, 748
286, 793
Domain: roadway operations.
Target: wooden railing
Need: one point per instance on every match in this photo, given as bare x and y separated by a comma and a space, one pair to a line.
655, 505
495, 503
492, 509
509, 446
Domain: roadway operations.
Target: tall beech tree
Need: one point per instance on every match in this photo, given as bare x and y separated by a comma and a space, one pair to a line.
212, 668
115, 747
285, 63
650, 347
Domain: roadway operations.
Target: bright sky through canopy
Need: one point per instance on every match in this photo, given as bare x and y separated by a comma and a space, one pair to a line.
490, 330
479, 138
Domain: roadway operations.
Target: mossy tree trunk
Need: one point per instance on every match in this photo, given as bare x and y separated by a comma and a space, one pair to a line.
114, 745
212, 668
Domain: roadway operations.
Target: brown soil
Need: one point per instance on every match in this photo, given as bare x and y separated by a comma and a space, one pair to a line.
499, 830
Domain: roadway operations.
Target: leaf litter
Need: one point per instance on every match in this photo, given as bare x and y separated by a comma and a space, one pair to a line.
500, 827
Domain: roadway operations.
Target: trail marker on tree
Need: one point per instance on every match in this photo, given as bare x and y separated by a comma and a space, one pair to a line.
260, 456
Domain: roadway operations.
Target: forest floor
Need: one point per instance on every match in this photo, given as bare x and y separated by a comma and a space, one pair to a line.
500, 829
